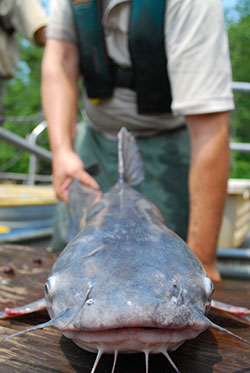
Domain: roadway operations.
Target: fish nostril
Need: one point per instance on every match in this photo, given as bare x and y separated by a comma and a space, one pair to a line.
176, 290
175, 294
89, 301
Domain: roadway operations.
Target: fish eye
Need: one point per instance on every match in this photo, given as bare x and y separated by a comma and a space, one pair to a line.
47, 287
50, 284
209, 287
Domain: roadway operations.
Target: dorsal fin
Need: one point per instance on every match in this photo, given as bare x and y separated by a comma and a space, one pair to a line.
131, 169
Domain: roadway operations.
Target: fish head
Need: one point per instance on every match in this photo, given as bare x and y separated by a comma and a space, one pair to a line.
129, 300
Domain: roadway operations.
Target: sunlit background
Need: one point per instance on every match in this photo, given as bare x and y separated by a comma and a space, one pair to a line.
227, 4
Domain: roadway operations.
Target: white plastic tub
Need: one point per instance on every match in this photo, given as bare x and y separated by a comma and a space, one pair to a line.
235, 223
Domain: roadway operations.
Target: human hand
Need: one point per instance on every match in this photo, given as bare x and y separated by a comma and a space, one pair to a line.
67, 165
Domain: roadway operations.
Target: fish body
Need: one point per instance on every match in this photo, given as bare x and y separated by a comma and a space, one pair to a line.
125, 282
128, 278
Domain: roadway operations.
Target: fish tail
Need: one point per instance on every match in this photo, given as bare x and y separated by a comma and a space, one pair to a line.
131, 170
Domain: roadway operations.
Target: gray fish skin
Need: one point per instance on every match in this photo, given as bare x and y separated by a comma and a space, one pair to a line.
126, 269
126, 283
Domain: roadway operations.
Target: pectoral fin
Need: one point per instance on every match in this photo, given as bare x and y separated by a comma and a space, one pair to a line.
38, 305
240, 314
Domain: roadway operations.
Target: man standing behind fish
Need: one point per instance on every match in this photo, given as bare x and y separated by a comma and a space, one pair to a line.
26, 17
162, 70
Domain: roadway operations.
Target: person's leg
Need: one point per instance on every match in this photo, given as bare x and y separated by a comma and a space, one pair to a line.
166, 161
93, 147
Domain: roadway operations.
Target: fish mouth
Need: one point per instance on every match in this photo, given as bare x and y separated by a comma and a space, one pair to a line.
132, 340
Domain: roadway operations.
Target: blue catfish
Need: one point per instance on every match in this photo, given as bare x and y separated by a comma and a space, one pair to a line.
125, 282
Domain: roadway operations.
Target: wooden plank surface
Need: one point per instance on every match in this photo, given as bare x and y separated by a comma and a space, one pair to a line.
23, 271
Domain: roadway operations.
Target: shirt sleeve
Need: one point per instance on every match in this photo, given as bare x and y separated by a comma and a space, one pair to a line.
198, 57
61, 22
28, 17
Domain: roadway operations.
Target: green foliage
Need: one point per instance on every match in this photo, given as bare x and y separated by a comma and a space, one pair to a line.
23, 91
239, 40
240, 168
22, 99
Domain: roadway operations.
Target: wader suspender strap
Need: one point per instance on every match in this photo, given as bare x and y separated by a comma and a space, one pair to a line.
149, 62
94, 62
147, 50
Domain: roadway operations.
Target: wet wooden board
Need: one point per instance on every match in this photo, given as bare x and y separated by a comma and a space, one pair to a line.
47, 351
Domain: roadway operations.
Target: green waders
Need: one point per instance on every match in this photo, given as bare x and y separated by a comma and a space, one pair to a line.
166, 163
